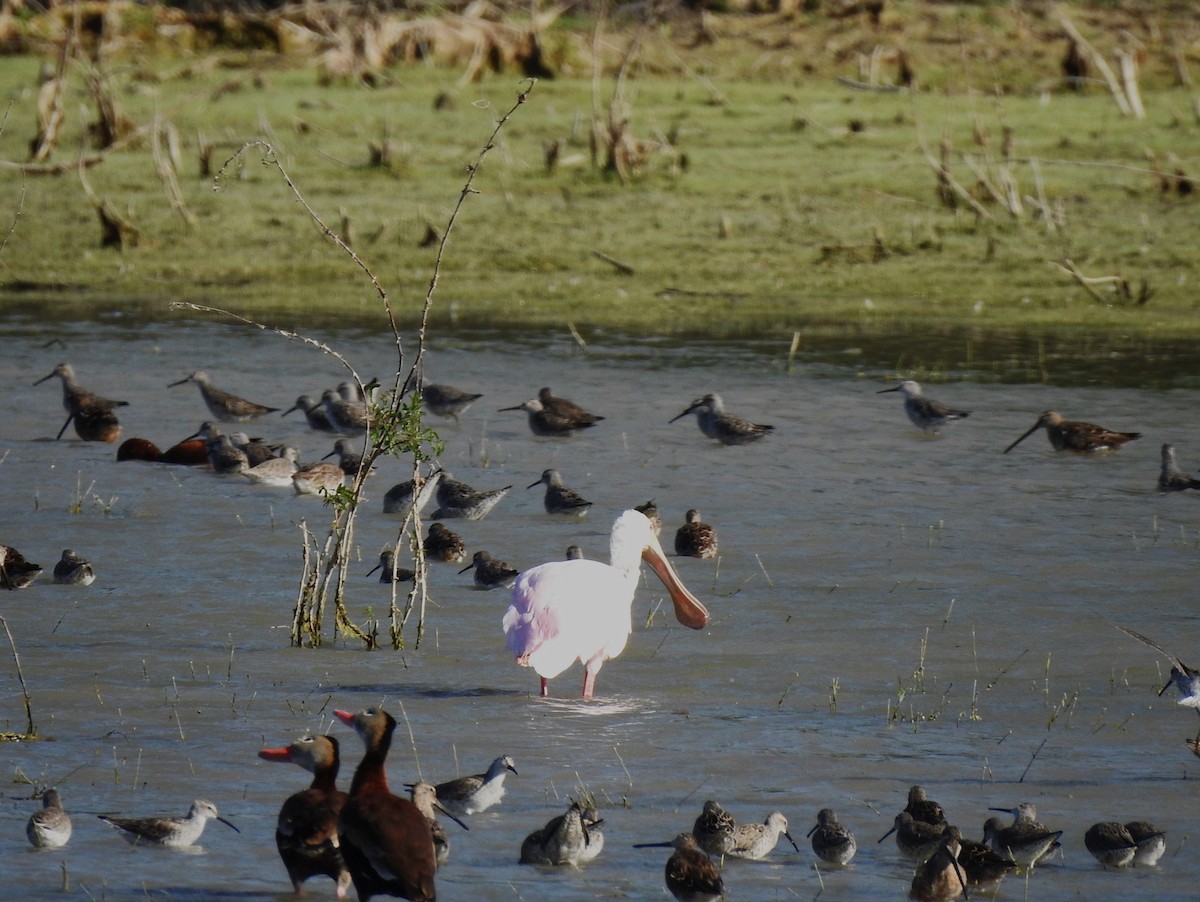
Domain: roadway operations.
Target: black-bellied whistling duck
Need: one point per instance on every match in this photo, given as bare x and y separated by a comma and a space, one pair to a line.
306, 832
385, 839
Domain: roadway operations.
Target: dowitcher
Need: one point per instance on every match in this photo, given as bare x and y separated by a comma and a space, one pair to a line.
384, 838
940, 877
925, 413
224, 406
573, 838
318, 479
490, 573
695, 538
93, 415
983, 866
559, 498
314, 413
15, 571
1111, 844
650, 511
465, 796
457, 499
1185, 679
713, 829
349, 455
424, 796
915, 839
306, 829
755, 842
346, 416
1151, 842
1073, 435
446, 400
567, 611
256, 450
832, 841
724, 427
1026, 841
172, 832
275, 470
50, 826
1171, 478
552, 416
72, 569
399, 498
390, 572
444, 545
923, 808
691, 876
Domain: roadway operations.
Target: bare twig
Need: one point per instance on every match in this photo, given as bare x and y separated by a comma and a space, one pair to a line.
30, 729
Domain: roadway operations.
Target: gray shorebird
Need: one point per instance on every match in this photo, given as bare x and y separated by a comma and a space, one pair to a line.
755, 842
490, 573
15, 571
724, 427
1185, 679
256, 450
224, 406
560, 499
923, 808
349, 456
832, 841
573, 838
940, 877
446, 400
1151, 842
695, 538
713, 829
1111, 844
465, 796
314, 414
457, 499
915, 839
73, 570
1077, 436
347, 416
306, 829
442, 544
691, 876
1171, 478
424, 796
399, 498
318, 479
93, 415
275, 470
50, 826
1026, 841
390, 573
983, 866
172, 832
551, 416
223, 456
925, 413
650, 511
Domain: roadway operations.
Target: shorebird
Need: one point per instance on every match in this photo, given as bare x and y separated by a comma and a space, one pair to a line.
446, 400
349, 456
1111, 844
348, 417
306, 829
224, 406
573, 838
1151, 842
925, 413
50, 826
1186, 679
1073, 435
691, 876
399, 498
442, 544
256, 450
15, 571
915, 839
1026, 841
223, 456
490, 573
457, 499
390, 572
385, 839
424, 796
567, 611
724, 427
923, 808
695, 538
465, 796
713, 829
93, 415
560, 499
318, 479
983, 866
832, 841
73, 570
275, 470
940, 877
1171, 478
550, 415
314, 413
574, 553
755, 842
650, 510
172, 832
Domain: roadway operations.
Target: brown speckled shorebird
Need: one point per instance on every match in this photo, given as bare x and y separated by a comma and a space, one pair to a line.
446, 400
915, 839
833, 842
1077, 436
754, 842
490, 573
573, 838
695, 538
256, 450
1111, 844
923, 808
713, 829
172, 832
347, 416
15, 571
390, 572
1171, 478
559, 498
443, 544
691, 876
306, 829
93, 415
553, 416
73, 570
226, 407
925, 413
984, 867
724, 427
318, 479
50, 826
940, 878
457, 499
650, 511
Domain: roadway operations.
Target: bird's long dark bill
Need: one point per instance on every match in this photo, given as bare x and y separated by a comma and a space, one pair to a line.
1035, 428
653, 845
377, 566
884, 391
688, 609
227, 824
886, 835
1168, 686
438, 806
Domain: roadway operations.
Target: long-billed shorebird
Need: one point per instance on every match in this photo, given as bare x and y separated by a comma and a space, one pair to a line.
314, 414
832, 841
713, 828
424, 796
490, 573
1111, 844
915, 839
925, 413
465, 796
349, 455
691, 876
724, 427
347, 416
228, 408
1185, 679
223, 456
73, 570
275, 470
442, 544
983, 865
457, 499
551, 416
1171, 478
695, 538
1026, 840
1151, 842
15, 571
1074, 435
256, 450
446, 400
50, 826
399, 498
560, 499
572, 838
923, 808
172, 832
93, 415
940, 877
390, 572
755, 842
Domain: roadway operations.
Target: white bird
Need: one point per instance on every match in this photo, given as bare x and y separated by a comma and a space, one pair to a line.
568, 611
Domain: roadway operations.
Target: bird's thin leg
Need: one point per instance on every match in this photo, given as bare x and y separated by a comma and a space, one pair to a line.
545, 688
70, 416
589, 684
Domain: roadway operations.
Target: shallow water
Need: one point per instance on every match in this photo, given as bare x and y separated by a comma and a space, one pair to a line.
888, 609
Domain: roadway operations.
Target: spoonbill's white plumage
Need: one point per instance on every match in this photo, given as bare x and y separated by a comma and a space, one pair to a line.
568, 611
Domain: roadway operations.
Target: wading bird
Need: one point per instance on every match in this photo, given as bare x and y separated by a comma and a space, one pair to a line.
691, 875
724, 427
224, 406
93, 415
1186, 679
1074, 435
925, 413
1171, 478
172, 832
